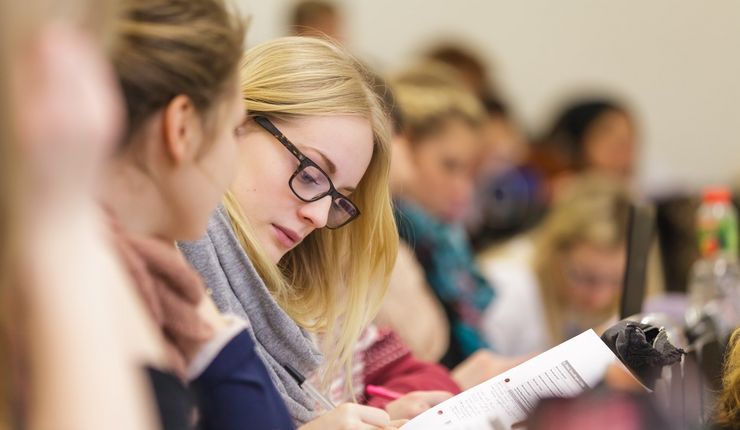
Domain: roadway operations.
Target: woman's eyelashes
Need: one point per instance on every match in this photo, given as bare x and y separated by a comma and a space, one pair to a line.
308, 179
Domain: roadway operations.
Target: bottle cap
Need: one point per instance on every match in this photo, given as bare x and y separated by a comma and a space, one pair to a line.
709, 247
717, 195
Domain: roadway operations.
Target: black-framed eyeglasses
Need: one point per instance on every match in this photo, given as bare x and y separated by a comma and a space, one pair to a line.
310, 183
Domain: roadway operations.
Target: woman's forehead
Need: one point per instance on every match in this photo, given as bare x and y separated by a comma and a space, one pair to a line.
342, 145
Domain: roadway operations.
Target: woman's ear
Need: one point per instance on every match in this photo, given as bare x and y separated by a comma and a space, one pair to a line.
181, 128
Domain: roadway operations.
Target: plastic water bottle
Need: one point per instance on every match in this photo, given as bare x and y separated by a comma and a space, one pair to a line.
714, 292
714, 288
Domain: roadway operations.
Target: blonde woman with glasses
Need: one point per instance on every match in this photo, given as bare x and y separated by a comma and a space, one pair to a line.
306, 240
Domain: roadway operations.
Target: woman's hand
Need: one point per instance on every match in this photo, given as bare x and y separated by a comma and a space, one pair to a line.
351, 416
414, 403
209, 316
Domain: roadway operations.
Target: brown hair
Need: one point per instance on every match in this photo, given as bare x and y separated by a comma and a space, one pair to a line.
469, 65
166, 48
306, 12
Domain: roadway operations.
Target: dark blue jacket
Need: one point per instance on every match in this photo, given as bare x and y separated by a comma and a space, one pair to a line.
235, 391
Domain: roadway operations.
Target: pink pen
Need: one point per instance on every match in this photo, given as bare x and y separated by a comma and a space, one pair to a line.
375, 390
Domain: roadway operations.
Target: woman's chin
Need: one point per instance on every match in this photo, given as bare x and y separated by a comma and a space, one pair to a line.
275, 255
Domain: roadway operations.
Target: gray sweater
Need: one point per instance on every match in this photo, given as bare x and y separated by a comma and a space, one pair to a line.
238, 289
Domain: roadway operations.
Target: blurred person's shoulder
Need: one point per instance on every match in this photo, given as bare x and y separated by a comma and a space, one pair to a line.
518, 250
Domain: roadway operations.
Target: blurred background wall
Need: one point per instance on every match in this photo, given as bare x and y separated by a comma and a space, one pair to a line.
676, 62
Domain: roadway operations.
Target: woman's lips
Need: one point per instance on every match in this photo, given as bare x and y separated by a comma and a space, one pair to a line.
287, 237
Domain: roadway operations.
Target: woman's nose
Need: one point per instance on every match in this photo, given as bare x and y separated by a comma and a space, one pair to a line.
316, 213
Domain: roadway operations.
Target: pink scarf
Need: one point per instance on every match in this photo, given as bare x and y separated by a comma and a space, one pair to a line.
171, 291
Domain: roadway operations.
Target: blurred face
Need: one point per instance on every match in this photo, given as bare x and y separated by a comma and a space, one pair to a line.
64, 147
198, 185
444, 166
593, 277
341, 145
503, 146
610, 144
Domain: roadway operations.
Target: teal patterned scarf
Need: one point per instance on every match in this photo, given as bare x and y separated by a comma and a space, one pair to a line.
444, 251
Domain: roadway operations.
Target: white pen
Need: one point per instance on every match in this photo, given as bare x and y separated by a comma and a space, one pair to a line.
308, 388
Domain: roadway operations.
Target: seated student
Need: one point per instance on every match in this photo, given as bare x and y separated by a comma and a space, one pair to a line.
306, 240
441, 132
426, 332
588, 135
177, 64
565, 277
72, 334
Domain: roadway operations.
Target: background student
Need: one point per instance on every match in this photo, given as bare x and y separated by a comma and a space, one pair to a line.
441, 120
567, 274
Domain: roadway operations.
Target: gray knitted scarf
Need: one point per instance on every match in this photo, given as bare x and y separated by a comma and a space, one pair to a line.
238, 289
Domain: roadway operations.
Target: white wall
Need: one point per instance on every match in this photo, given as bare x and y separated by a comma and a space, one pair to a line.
676, 61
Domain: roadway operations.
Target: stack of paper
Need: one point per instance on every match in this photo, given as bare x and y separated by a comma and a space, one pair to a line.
505, 401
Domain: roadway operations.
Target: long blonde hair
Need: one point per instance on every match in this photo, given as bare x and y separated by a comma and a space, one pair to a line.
728, 404
593, 210
334, 281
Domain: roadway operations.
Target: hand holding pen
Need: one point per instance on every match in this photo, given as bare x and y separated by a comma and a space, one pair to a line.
345, 416
409, 405
308, 388
374, 390
353, 416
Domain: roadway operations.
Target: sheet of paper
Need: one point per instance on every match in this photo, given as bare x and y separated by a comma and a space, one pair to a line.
504, 401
